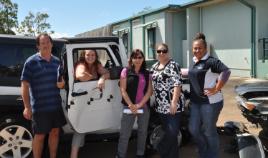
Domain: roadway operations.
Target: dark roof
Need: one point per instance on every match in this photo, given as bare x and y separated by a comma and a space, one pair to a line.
18, 38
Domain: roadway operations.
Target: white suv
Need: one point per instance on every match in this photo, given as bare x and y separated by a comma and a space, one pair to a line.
87, 109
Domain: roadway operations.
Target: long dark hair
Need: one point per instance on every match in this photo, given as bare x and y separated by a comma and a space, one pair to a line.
135, 53
82, 60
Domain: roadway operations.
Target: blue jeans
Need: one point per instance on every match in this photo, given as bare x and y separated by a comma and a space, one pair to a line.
168, 146
202, 126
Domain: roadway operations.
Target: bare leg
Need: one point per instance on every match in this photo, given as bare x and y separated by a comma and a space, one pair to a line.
77, 142
38, 143
74, 152
53, 141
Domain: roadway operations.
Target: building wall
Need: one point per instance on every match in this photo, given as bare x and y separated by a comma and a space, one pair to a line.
175, 34
122, 26
261, 32
137, 29
193, 26
102, 31
227, 26
159, 18
179, 35
137, 33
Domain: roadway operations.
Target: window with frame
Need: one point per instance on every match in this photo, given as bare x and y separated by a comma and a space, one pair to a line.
263, 53
125, 41
151, 43
102, 53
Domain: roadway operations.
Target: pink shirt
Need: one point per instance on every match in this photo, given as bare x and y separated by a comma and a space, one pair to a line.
141, 84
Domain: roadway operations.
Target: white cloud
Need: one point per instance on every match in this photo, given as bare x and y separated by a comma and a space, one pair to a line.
59, 35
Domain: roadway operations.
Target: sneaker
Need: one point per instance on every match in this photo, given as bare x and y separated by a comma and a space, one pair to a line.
117, 156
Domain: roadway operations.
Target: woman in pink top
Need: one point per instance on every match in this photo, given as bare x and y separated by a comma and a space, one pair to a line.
136, 89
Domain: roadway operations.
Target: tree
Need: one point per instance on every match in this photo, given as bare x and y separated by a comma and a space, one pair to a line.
8, 16
33, 25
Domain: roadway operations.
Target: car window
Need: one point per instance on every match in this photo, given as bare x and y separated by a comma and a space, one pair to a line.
116, 53
12, 58
103, 57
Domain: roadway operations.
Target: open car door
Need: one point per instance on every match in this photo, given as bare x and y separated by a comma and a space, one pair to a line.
89, 108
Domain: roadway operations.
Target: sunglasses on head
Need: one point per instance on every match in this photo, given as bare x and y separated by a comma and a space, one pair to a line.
138, 57
161, 50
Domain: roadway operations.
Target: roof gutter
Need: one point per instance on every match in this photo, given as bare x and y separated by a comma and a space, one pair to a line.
253, 35
130, 35
143, 33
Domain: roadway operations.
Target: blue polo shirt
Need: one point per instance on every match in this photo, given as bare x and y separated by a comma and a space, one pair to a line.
42, 77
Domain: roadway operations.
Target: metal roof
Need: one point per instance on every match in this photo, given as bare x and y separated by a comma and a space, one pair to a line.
170, 6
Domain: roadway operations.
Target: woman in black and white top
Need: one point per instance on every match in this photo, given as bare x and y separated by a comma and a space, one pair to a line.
167, 90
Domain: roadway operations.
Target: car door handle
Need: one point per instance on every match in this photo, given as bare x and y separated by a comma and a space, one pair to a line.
19, 98
76, 94
96, 94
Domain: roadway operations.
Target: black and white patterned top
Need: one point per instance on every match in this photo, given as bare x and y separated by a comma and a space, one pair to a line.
164, 80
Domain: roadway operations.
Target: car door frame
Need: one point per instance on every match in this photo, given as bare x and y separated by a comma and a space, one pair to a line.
111, 115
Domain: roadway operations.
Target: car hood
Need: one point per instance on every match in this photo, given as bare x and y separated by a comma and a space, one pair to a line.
260, 86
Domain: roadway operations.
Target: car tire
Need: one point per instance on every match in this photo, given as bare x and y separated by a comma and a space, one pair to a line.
15, 138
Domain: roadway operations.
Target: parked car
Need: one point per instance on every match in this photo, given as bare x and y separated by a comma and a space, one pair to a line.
87, 109
15, 133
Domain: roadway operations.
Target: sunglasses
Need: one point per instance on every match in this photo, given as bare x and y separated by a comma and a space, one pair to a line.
140, 57
164, 51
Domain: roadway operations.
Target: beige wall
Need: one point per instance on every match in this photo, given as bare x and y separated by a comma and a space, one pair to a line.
261, 32
137, 27
227, 26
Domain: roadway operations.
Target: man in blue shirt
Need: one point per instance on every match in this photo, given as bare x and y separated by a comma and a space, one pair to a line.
41, 96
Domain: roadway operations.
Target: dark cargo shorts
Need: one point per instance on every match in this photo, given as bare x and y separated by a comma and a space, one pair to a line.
44, 121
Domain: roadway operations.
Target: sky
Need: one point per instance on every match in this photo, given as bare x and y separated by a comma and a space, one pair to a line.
71, 17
